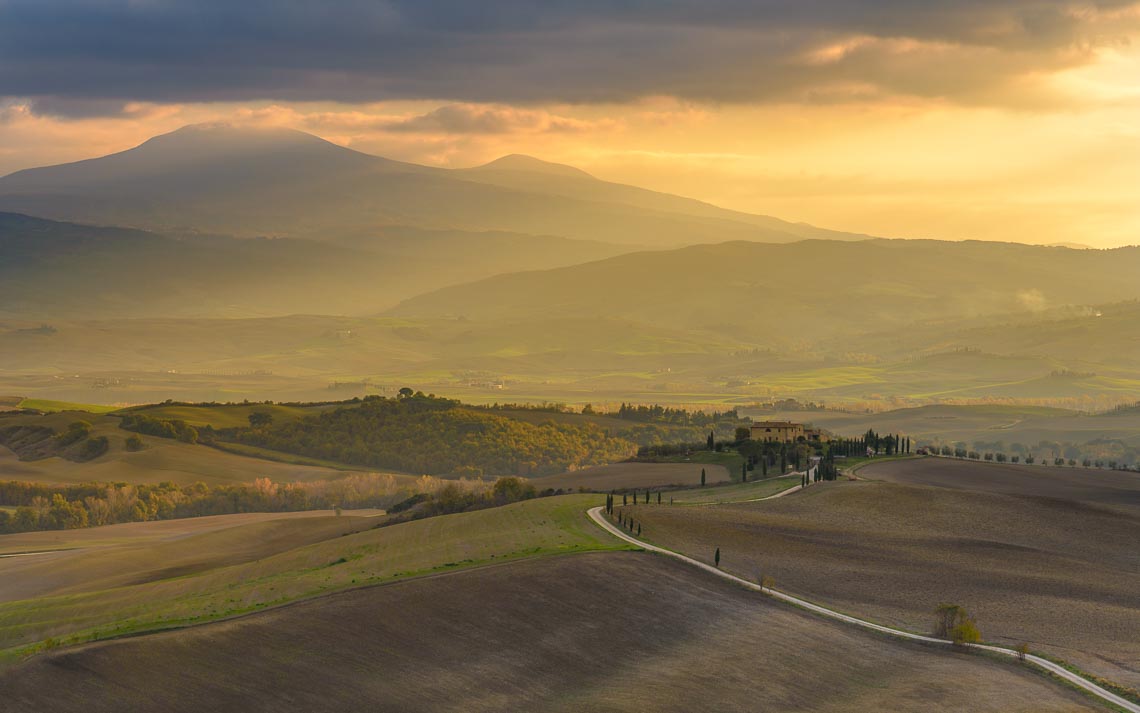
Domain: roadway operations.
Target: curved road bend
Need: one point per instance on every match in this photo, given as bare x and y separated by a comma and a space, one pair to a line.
596, 515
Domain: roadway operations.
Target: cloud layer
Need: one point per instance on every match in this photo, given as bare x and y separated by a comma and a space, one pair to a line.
83, 57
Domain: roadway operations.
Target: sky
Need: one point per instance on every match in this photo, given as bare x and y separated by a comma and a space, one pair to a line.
988, 119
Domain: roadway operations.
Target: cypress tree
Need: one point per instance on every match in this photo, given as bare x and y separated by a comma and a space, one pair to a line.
646, 497
639, 529
716, 557
658, 497
623, 501
702, 476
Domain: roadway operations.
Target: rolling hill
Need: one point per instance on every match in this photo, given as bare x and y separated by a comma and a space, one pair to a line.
50, 269
809, 290
282, 183
563, 640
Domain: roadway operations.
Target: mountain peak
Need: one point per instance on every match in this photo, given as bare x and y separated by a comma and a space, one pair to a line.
228, 138
530, 164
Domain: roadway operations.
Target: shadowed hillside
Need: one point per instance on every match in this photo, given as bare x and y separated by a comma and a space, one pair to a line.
50, 269
250, 182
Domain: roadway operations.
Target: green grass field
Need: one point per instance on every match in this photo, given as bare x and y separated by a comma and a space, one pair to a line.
51, 406
547, 526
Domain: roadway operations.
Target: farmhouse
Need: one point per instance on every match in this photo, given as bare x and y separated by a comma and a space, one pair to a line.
777, 431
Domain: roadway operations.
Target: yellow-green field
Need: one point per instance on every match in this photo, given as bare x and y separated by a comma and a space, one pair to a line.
51, 406
204, 589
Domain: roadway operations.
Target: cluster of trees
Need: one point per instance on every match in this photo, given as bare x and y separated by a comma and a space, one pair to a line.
465, 496
674, 416
64, 507
888, 444
73, 443
426, 434
141, 423
955, 623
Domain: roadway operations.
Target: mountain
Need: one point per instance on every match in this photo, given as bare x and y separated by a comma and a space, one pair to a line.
50, 269
803, 292
281, 183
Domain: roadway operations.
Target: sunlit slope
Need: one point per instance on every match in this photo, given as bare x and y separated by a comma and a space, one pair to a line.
219, 588
809, 290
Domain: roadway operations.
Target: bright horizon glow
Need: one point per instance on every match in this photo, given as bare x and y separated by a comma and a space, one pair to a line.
1053, 159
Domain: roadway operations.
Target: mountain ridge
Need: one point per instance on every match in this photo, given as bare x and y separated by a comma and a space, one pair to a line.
281, 182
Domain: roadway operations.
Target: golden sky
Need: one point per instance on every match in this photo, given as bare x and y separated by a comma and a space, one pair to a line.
1000, 121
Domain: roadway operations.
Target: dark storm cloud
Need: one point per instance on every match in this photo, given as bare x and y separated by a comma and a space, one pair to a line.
89, 53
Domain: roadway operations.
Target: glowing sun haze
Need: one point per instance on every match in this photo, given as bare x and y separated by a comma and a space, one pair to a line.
998, 119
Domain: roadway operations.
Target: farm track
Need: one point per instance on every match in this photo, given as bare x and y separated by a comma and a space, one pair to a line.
596, 515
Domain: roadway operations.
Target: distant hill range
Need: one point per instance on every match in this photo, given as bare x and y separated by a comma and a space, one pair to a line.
283, 183
51, 270
808, 291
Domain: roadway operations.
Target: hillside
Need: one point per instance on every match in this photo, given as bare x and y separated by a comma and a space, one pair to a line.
255, 182
422, 645
51, 269
160, 459
1037, 566
829, 287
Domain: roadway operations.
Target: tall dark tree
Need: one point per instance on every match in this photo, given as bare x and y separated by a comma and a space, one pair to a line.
716, 557
702, 476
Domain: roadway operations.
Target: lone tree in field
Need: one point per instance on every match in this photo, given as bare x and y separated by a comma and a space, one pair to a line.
712, 440
260, 419
702, 476
955, 623
716, 557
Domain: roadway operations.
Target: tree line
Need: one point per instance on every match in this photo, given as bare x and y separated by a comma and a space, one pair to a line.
65, 507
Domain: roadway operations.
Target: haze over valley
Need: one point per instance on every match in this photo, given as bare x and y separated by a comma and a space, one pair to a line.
435, 356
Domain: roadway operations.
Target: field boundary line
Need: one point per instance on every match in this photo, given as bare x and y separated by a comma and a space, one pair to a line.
595, 514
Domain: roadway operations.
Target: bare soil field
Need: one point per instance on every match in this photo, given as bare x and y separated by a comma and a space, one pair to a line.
589, 632
1060, 575
634, 475
136, 553
1090, 485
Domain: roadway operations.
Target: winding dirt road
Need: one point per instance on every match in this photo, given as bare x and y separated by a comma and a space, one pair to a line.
1083, 683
